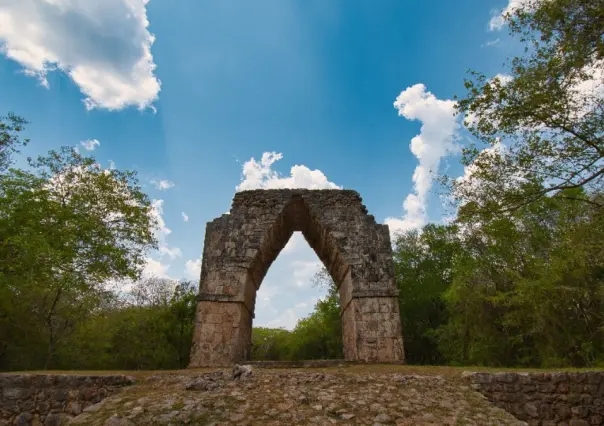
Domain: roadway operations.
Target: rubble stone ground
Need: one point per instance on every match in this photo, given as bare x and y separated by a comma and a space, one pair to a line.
246, 396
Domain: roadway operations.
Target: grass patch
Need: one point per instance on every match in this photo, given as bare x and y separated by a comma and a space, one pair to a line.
427, 370
178, 405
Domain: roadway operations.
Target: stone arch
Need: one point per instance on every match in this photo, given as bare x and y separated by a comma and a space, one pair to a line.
240, 247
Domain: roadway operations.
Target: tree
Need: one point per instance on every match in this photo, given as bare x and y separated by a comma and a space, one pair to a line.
66, 227
424, 271
319, 336
10, 142
156, 331
544, 121
270, 344
528, 287
152, 331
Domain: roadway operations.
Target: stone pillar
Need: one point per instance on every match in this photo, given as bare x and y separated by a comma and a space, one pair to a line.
222, 329
371, 324
372, 332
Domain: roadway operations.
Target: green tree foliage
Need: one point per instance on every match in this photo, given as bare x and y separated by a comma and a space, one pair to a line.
424, 271
270, 344
522, 289
10, 140
527, 285
66, 227
528, 288
318, 336
149, 328
544, 120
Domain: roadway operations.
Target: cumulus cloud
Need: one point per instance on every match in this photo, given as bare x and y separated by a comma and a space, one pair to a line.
497, 22
439, 131
90, 144
104, 46
171, 252
193, 268
162, 231
165, 252
185, 217
162, 184
154, 268
588, 94
157, 212
287, 320
303, 271
260, 175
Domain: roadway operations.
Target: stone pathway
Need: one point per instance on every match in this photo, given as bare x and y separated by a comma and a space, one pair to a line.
282, 397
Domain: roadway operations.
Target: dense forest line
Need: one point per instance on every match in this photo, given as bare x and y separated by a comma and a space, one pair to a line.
516, 278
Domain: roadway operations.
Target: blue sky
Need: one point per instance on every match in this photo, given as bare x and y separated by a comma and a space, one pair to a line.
192, 94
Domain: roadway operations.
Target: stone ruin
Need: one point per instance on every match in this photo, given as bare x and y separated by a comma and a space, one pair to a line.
241, 245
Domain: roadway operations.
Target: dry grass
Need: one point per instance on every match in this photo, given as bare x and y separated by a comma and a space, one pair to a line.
446, 371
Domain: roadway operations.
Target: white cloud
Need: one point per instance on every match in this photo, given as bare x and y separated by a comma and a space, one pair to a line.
588, 94
193, 268
162, 231
157, 211
414, 218
264, 299
111, 164
287, 319
162, 184
469, 177
155, 268
260, 175
90, 144
164, 250
303, 271
171, 252
490, 43
497, 22
185, 217
436, 140
103, 45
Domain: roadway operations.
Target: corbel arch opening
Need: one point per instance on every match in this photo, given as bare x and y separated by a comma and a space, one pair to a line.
297, 218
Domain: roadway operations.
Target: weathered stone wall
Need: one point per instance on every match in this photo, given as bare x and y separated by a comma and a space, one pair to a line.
36, 399
240, 246
562, 399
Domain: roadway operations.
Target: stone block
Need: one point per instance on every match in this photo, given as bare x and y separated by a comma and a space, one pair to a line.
549, 398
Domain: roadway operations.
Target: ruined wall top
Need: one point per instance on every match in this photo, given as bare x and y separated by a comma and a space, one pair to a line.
318, 198
330, 196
